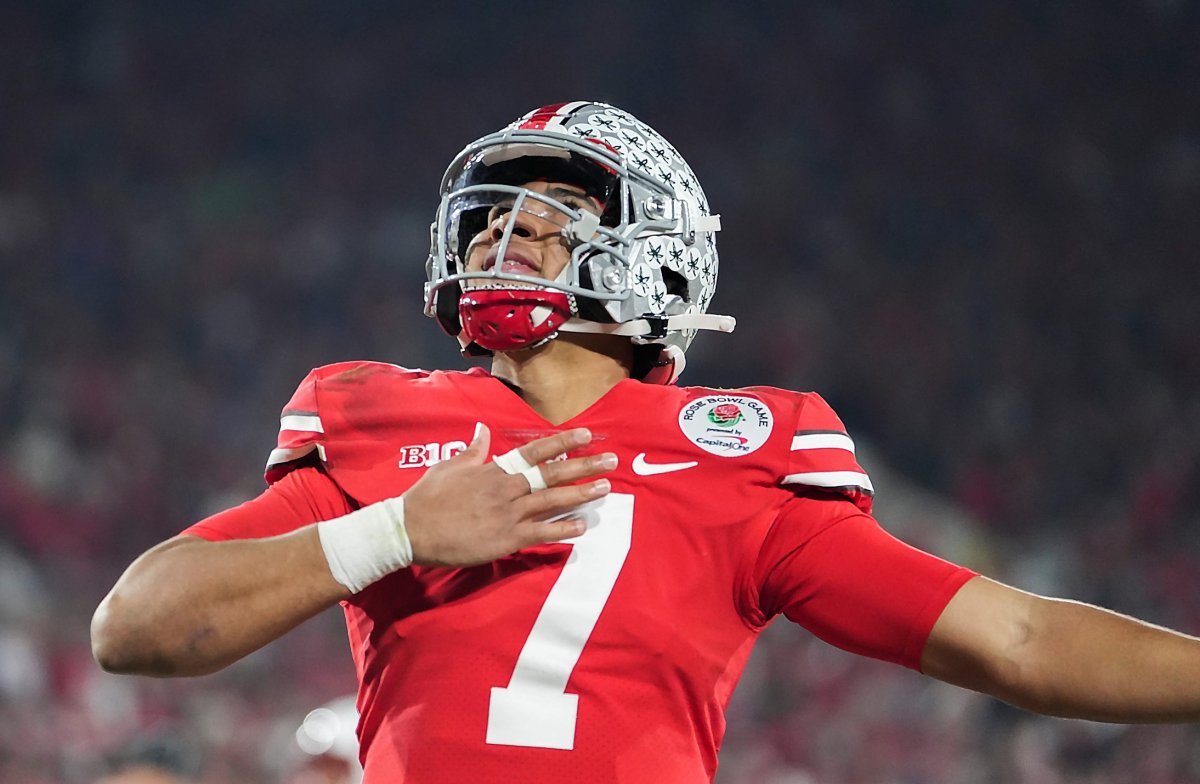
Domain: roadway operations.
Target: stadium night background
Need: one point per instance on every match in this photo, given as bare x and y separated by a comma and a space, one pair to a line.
970, 226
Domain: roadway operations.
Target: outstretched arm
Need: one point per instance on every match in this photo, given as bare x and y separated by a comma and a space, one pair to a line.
1063, 658
191, 606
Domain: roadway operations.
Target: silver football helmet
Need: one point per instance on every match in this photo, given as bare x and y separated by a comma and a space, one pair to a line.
645, 266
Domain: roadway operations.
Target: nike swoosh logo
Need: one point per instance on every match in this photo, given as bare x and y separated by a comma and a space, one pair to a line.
642, 468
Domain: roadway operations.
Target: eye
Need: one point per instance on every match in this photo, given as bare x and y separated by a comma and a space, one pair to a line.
580, 203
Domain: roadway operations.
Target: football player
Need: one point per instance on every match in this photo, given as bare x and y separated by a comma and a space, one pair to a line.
555, 570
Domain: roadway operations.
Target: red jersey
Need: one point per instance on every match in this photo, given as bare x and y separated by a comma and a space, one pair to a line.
611, 657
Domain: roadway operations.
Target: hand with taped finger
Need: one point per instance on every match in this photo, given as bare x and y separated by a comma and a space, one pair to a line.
467, 510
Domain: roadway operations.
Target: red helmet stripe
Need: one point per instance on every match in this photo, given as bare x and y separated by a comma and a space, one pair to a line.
537, 119
553, 114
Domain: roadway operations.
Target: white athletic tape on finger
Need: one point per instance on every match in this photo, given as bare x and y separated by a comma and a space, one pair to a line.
533, 475
513, 462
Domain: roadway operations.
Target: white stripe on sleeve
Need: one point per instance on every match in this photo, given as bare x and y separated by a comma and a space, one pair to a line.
278, 456
307, 423
831, 479
823, 441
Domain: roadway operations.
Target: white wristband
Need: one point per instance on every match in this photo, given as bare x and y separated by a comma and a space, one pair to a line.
366, 544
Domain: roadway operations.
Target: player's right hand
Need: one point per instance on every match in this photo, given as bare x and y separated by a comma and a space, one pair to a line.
467, 510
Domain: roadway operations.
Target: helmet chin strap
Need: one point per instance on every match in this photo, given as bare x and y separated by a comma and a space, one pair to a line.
639, 327
515, 318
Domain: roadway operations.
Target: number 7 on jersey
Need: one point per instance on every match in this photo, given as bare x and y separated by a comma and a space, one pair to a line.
535, 709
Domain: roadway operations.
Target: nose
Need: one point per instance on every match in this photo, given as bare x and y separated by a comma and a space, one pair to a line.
532, 221
524, 225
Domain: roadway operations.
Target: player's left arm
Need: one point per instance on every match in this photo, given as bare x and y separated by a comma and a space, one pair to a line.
843, 578
1063, 658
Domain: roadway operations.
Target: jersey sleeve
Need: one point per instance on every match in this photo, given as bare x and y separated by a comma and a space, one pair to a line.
829, 567
300, 497
301, 432
822, 461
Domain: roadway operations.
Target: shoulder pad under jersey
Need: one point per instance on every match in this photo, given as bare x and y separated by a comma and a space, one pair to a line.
822, 454
302, 431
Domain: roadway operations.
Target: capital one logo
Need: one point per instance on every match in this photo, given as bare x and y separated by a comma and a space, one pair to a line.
424, 455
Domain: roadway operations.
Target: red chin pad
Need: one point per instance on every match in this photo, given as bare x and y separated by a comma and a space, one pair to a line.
512, 318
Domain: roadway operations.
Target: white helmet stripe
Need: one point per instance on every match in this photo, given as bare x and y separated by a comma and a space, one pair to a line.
565, 111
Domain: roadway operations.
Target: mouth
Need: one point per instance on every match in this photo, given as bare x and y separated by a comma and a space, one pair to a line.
514, 262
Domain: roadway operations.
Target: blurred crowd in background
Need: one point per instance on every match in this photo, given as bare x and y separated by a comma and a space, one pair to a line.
970, 226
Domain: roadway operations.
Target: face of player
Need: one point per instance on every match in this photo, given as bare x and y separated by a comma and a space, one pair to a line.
536, 247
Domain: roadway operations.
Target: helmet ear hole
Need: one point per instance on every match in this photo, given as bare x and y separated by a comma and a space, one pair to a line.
676, 284
645, 359
588, 308
612, 215
592, 310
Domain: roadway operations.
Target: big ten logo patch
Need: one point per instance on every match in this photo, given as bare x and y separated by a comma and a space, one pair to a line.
425, 455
